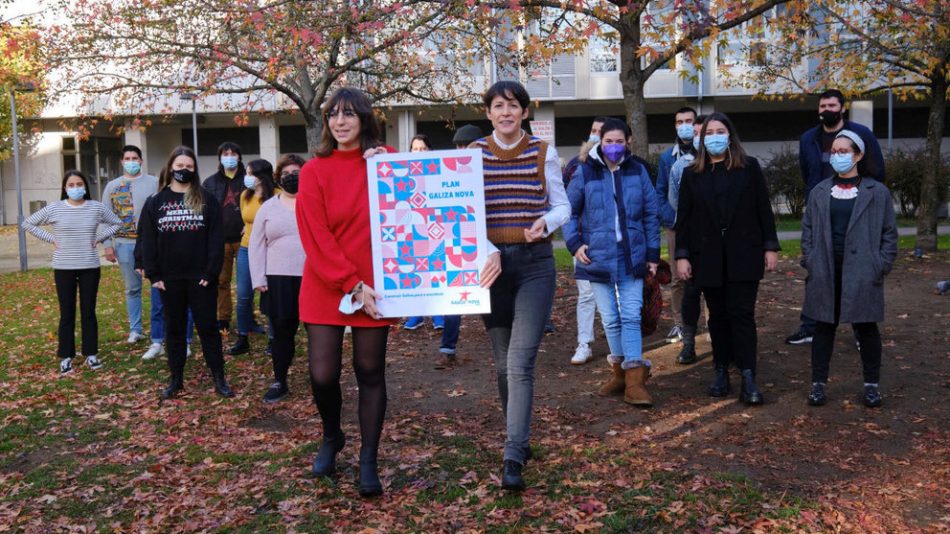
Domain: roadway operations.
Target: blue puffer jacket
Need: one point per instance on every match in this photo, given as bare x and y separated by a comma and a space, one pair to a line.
594, 218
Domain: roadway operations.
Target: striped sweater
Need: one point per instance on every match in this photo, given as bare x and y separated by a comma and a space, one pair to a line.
75, 231
515, 187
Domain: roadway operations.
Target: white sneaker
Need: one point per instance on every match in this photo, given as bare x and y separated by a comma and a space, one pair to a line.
65, 366
155, 349
675, 334
135, 337
93, 362
187, 351
582, 355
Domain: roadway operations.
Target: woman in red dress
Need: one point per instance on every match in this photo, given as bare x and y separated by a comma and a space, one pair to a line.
337, 286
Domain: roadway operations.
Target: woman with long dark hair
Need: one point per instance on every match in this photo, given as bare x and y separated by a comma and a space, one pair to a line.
76, 234
276, 260
337, 286
725, 240
259, 184
182, 253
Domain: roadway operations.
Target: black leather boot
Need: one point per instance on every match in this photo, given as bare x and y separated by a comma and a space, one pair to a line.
511, 478
324, 464
220, 384
175, 384
370, 486
687, 354
749, 392
241, 346
720, 386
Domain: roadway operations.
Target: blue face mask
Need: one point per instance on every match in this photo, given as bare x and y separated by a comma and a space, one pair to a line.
696, 142
250, 181
716, 144
229, 162
132, 168
685, 131
75, 193
841, 163
593, 139
613, 153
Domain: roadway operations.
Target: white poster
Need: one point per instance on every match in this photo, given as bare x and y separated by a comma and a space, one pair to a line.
427, 214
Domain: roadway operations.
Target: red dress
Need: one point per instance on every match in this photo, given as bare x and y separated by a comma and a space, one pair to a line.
333, 218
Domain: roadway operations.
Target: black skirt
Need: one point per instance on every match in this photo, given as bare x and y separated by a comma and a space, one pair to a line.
282, 298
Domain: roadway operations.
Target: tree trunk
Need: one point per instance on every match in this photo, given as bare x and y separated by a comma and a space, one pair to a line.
930, 195
314, 125
632, 82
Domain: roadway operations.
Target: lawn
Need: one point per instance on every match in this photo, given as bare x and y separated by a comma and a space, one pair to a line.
97, 451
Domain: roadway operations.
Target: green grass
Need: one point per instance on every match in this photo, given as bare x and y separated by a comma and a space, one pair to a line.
788, 223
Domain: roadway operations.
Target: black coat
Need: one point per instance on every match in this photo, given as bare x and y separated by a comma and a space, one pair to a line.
227, 191
736, 254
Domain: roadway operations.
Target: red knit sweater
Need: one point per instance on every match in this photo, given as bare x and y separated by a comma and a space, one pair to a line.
333, 217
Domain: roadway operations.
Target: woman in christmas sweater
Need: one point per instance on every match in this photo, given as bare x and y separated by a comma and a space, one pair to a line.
849, 243
182, 252
337, 286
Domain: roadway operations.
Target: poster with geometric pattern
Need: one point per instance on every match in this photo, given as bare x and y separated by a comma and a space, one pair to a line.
427, 221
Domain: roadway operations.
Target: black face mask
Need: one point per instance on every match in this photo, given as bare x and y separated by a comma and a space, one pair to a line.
290, 183
830, 118
183, 175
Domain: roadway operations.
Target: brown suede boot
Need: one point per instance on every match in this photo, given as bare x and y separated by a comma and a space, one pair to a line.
636, 391
615, 385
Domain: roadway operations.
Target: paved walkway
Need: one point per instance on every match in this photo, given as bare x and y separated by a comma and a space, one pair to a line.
39, 254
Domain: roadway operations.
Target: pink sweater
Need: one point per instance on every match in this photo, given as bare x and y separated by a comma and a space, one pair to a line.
275, 246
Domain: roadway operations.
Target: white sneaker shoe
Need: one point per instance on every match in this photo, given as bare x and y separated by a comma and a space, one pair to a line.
582, 355
135, 337
93, 362
154, 350
66, 366
187, 351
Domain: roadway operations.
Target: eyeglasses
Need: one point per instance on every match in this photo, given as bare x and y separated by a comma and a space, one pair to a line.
345, 113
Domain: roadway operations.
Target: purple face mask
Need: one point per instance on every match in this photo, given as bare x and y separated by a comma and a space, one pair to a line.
613, 153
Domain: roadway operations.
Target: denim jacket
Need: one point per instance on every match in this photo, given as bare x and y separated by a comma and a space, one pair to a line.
595, 221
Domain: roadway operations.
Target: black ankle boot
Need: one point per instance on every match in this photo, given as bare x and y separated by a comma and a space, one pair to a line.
241, 346
220, 384
324, 464
749, 392
511, 478
720, 386
370, 486
688, 354
175, 384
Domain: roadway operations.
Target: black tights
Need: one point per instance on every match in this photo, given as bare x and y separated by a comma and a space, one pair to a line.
369, 364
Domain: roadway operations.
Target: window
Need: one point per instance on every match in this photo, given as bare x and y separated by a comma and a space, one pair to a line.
69, 154
669, 65
604, 56
758, 54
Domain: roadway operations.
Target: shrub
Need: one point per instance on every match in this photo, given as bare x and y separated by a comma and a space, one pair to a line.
784, 179
904, 172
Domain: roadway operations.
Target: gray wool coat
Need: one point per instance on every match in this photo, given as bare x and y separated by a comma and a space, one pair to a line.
869, 253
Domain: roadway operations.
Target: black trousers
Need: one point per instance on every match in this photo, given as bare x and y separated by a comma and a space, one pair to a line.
690, 310
285, 329
731, 309
87, 282
823, 342
178, 297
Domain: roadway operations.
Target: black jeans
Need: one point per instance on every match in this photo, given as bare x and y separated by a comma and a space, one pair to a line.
823, 342
690, 310
87, 282
178, 297
282, 350
731, 309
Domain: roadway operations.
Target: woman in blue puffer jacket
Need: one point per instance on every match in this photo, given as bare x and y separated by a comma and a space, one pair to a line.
614, 233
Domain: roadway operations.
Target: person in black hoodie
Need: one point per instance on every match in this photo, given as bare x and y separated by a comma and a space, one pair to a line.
226, 187
182, 245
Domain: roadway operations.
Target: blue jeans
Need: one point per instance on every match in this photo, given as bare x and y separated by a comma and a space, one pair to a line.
619, 306
520, 301
450, 333
245, 294
158, 320
124, 253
